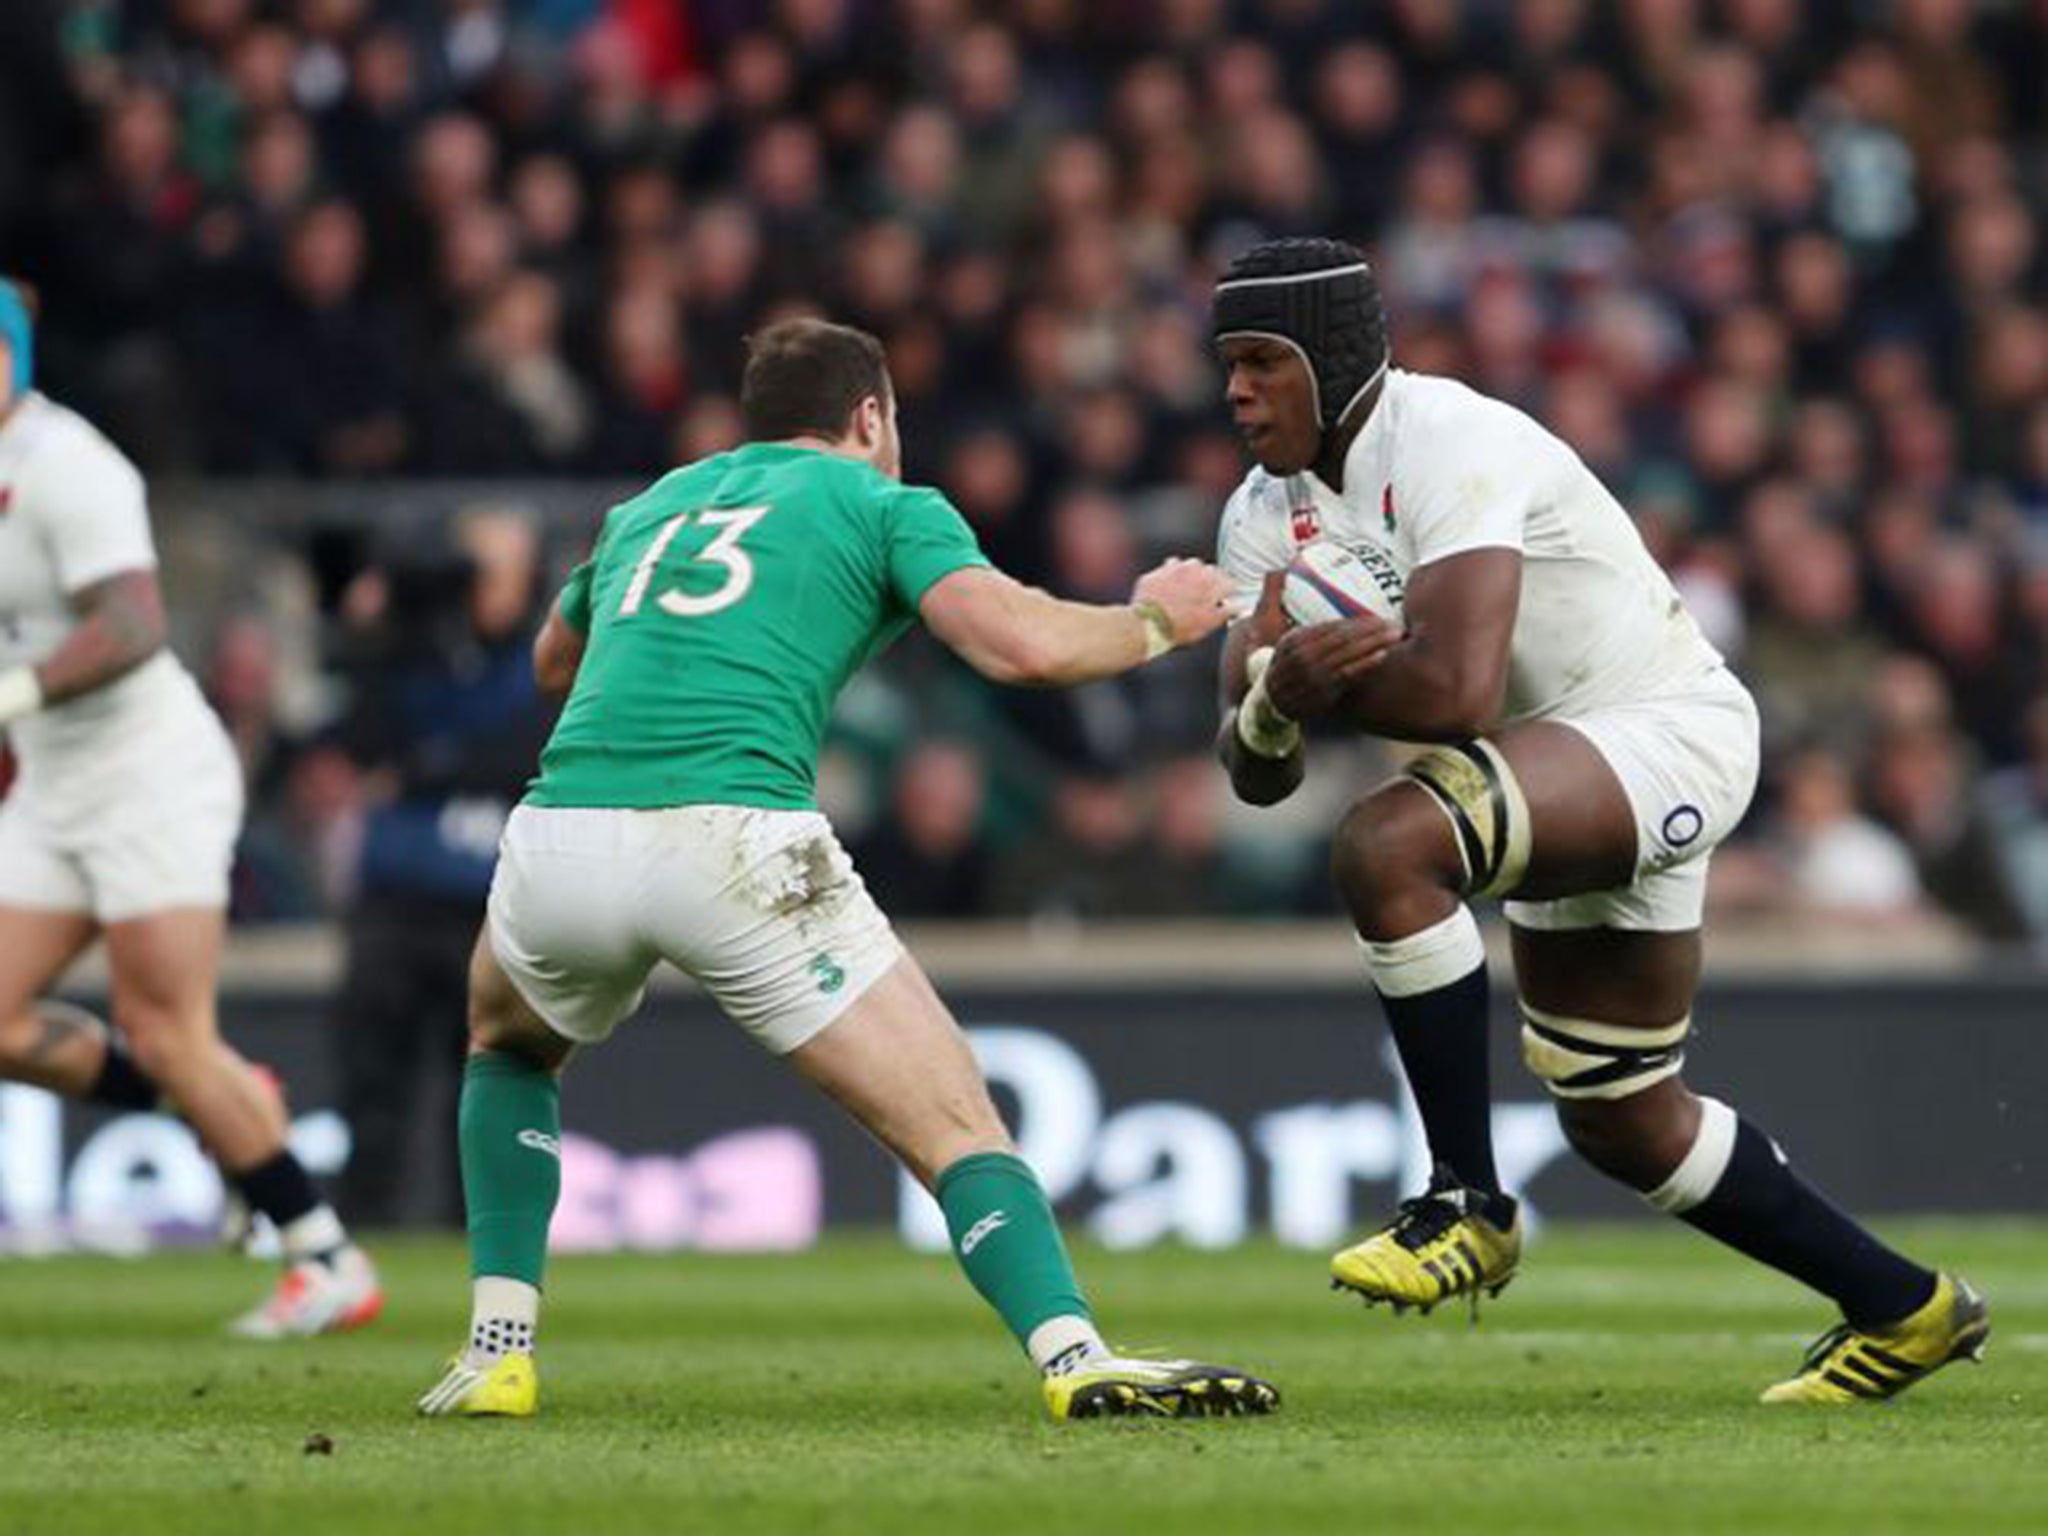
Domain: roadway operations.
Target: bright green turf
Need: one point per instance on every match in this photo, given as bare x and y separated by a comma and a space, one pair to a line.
861, 1388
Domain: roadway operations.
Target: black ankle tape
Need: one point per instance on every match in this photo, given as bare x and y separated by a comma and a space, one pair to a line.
279, 1188
122, 1084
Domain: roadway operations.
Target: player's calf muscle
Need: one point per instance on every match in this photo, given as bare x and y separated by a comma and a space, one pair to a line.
1638, 1141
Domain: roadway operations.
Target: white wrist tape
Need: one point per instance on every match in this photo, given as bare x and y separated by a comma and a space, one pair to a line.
20, 694
1261, 727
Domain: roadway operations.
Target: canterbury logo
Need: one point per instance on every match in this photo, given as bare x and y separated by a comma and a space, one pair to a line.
992, 1222
540, 1141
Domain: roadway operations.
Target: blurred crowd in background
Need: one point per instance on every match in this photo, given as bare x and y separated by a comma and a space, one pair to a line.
1775, 269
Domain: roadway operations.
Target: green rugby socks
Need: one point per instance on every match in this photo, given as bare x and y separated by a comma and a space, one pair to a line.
1007, 1241
510, 1134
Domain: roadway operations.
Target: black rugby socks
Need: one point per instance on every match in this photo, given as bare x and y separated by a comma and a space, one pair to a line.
1761, 1208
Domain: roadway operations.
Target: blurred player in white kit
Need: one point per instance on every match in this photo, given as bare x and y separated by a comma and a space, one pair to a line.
122, 822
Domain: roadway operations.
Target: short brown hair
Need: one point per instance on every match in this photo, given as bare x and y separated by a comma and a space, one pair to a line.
804, 377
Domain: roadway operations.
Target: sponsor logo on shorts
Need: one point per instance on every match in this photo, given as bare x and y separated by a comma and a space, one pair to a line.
1683, 826
540, 1141
830, 973
993, 1222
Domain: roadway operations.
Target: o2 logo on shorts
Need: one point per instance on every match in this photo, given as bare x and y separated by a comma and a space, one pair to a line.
1683, 826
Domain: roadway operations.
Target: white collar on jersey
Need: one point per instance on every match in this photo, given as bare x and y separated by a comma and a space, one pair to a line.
1363, 447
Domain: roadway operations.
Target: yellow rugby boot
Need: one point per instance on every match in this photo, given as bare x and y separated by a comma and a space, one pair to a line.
1116, 1386
1848, 1365
1439, 1245
507, 1388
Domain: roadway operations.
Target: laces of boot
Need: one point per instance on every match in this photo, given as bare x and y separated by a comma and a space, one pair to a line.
1424, 1218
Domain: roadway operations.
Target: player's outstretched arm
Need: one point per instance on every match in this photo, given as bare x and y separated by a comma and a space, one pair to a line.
121, 625
557, 654
1013, 633
1445, 678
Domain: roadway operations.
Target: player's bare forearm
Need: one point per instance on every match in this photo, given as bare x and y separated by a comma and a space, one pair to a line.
121, 625
557, 655
1418, 693
1256, 779
1066, 644
1017, 634
1443, 680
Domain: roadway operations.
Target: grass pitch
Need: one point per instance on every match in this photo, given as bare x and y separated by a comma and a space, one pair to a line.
863, 1388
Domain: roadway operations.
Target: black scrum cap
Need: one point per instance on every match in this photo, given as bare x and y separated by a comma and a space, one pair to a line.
1319, 297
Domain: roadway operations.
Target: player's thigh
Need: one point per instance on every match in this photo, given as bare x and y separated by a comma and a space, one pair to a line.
500, 1019
1619, 976
1582, 829
1533, 808
764, 909
563, 926
168, 845
899, 1064
45, 910
36, 947
1679, 775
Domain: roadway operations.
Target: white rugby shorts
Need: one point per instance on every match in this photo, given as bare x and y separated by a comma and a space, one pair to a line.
761, 907
1688, 764
154, 835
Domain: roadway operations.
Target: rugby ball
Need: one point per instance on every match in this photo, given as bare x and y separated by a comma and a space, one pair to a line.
1340, 581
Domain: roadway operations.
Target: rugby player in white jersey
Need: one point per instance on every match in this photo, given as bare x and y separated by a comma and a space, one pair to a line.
1589, 749
122, 824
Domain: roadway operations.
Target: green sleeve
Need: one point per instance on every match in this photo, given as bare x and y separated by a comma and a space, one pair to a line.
574, 602
927, 538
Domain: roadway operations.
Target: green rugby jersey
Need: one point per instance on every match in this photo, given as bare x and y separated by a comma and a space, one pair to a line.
726, 606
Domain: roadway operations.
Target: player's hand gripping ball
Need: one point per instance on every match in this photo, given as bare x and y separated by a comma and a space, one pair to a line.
1346, 604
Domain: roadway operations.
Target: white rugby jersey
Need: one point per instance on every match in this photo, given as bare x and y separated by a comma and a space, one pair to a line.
73, 513
1439, 469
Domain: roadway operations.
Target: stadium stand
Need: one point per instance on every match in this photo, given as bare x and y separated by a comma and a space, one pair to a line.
1774, 268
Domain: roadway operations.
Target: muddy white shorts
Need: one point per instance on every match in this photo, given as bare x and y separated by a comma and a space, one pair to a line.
1688, 764
761, 907
155, 836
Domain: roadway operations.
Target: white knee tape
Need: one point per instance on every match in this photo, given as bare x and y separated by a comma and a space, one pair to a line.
1583, 1059
1701, 1169
1422, 962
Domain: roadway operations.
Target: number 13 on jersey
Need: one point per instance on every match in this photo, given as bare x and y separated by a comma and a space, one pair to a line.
724, 551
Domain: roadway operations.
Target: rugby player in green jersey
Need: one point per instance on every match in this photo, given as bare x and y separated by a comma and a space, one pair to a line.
675, 818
